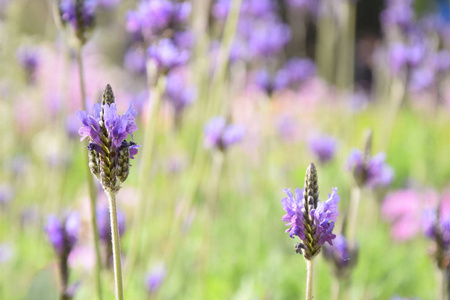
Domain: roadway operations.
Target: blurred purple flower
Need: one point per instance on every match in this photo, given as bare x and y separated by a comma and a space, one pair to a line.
179, 93
442, 61
371, 171
69, 13
268, 38
6, 194
151, 16
167, 55
135, 60
431, 226
421, 79
398, 13
294, 72
155, 278
323, 216
323, 147
104, 224
341, 256
154, 16
29, 59
220, 135
63, 234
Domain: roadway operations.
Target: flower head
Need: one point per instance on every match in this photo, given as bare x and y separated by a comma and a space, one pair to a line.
220, 135
155, 278
308, 218
109, 151
370, 171
79, 15
167, 55
341, 256
63, 234
29, 60
323, 147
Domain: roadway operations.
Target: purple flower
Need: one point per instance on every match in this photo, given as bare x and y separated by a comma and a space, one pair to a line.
178, 92
80, 18
323, 147
6, 194
109, 152
268, 38
370, 171
104, 224
29, 60
398, 13
323, 217
63, 234
118, 127
167, 55
155, 278
220, 135
422, 79
341, 256
294, 72
152, 17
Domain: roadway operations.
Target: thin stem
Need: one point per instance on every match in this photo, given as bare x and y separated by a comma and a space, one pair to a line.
309, 278
336, 286
353, 216
91, 187
146, 163
115, 239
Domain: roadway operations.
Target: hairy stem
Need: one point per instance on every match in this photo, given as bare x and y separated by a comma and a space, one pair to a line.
91, 187
309, 278
115, 239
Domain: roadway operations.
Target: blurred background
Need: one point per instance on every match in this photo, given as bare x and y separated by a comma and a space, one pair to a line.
245, 94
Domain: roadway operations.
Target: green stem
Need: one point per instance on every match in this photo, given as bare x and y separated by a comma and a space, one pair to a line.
309, 278
345, 63
146, 161
91, 187
336, 286
115, 239
353, 216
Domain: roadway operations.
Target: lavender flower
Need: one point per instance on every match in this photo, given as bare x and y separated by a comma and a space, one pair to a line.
167, 55
220, 135
109, 152
29, 60
370, 171
63, 235
312, 221
323, 147
179, 93
79, 15
398, 13
155, 278
294, 72
152, 17
341, 256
